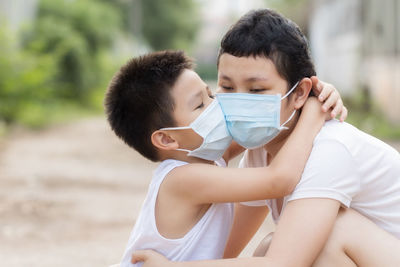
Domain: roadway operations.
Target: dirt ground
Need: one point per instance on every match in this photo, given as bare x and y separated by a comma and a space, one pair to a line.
69, 196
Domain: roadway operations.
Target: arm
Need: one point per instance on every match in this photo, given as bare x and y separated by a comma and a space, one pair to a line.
292, 157
303, 239
246, 222
305, 223
248, 219
201, 184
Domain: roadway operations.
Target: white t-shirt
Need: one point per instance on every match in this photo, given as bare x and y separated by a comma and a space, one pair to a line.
206, 240
349, 166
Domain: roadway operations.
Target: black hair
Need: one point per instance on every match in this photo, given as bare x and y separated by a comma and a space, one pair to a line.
138, 100
266, 33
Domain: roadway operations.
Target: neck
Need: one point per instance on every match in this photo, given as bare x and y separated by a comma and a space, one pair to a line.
276, 144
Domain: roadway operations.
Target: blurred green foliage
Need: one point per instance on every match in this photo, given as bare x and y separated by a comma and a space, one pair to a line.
75, 33
171, 24
56, 67
25, 81
59, 66
368, 117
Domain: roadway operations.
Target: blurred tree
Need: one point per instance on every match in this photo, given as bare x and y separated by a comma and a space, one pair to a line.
25, 81
74, 33
171, 24
162, 24
61, 63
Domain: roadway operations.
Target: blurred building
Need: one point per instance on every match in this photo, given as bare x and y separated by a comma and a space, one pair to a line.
356, 45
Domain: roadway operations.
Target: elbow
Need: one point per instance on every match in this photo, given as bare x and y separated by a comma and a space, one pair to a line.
285, 181
291, 184
287, 189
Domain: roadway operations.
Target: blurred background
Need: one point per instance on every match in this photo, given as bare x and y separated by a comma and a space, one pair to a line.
69, 189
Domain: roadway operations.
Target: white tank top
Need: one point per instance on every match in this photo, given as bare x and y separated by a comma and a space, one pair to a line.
206, 240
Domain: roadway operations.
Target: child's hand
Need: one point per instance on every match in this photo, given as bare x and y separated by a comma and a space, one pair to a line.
150, 258
330, 97
312, 107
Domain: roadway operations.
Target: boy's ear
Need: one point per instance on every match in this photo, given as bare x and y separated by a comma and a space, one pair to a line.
163, 140
302, 92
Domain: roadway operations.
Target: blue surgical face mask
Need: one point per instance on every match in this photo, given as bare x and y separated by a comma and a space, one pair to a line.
253, 120
210, 125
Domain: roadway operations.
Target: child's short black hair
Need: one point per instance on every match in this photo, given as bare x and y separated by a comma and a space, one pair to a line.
138, 101
266, 33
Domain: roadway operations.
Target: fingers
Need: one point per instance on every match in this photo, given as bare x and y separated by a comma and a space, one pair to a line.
343, 116
316, 85
326, 92
330, 97
337, 109
331, 101
140, 255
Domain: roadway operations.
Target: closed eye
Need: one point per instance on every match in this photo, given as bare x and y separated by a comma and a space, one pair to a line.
200, 106
257, 90
227, 88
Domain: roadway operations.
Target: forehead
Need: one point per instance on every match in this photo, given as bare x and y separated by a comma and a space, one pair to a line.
246, 67
187, 85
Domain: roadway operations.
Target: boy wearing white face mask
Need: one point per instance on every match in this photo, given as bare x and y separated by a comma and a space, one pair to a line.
159, 106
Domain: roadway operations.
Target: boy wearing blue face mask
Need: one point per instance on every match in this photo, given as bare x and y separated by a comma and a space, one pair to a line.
160, 107
267, 54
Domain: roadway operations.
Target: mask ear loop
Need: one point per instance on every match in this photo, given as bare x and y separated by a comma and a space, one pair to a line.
290, 91
176, 128
179, 128
283, 127
184, 150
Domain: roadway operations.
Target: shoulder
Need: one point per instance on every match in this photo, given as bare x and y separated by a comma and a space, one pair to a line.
331, 171
340, 137
359, 145
334, 152
165, 168
336, 130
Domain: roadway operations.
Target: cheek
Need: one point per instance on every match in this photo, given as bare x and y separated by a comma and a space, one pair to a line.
286, 111
184, 117
190, 140
282, 116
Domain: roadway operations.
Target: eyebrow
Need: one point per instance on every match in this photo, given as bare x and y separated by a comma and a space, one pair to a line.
223, 76
256, 79
250, 79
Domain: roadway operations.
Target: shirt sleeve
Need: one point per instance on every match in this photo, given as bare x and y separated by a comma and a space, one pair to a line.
330, 172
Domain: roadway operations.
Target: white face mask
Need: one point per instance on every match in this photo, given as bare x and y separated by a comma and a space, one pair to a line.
210, 125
